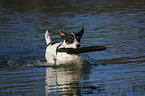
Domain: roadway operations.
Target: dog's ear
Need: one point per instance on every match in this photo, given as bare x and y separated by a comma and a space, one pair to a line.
62, 34
80, 33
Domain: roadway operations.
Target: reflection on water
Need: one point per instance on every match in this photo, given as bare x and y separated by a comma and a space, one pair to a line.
119, 25
62, 81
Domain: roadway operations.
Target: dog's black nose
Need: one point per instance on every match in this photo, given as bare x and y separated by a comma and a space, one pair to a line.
78, 45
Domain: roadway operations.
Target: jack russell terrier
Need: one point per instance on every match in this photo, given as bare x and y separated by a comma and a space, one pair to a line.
71, 40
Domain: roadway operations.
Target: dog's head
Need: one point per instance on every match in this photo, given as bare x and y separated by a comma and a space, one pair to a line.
71, 40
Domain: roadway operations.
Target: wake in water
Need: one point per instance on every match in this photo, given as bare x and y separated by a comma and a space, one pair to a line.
85, 59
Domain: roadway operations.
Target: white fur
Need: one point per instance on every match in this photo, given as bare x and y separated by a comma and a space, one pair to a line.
47, 37
58, 58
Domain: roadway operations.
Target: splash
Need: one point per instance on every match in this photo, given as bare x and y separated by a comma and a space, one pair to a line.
85, 59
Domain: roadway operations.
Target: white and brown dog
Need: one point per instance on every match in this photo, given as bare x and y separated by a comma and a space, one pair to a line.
71, 40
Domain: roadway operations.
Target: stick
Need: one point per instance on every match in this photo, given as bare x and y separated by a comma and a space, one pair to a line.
82, 49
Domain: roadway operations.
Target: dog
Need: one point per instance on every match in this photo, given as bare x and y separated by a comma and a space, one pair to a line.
71, 40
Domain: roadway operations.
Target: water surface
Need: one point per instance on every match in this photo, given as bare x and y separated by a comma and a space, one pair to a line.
118, 25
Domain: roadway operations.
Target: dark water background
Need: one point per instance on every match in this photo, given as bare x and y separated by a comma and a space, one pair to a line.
117, 24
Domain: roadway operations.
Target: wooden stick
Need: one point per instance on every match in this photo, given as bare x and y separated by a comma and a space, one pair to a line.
82, 49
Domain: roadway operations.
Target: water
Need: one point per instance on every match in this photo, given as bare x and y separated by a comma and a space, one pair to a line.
118, 25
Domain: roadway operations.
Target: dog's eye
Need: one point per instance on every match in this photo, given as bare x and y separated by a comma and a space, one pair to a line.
67, 42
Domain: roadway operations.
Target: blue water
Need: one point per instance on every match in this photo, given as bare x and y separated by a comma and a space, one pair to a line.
118, 25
